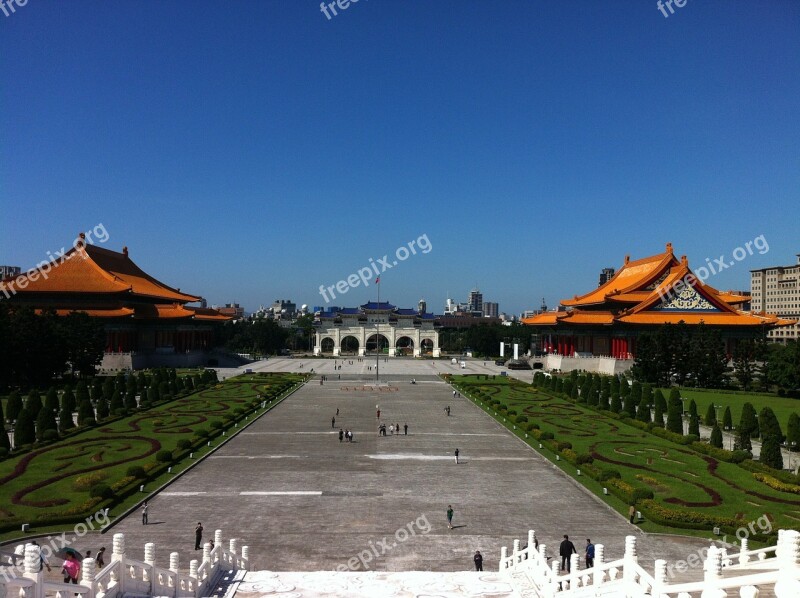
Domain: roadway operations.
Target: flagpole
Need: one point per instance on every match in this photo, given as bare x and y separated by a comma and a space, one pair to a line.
378, 335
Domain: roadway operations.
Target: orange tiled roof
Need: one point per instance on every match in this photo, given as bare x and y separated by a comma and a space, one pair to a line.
633, 276
92, 269
656, 290
121, 312
162, 312
208, 314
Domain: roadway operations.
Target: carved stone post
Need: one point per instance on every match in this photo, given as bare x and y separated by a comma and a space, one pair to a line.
174, 561
193, 564
118, 548
744, 558
32, 562
503, 557
599, 555
150, 554
515, 552
629, 560
789, 561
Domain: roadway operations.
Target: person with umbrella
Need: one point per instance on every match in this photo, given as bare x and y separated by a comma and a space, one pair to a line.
71, 567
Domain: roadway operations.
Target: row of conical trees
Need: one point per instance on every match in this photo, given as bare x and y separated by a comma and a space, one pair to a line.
644, 403
37, 420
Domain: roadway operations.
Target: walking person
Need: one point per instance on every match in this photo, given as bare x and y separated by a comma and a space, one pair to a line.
100, 559
341, 435
333, 421
43, 562
456, 456
391, 429
566, 549
198, 535
450, 516
632, 513
405, 429
478, 561
144, 513
71, 568
589, 554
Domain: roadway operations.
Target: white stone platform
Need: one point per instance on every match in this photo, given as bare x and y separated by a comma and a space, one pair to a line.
375, 584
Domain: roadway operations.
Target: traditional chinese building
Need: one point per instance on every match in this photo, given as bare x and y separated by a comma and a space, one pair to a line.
641, 296
147, 322
381, 326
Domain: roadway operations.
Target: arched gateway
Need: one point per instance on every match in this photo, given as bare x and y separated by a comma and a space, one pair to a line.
399, 331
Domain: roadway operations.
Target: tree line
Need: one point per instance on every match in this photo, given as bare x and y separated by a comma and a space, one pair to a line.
696, 356
35, 347
645, 403
37, 419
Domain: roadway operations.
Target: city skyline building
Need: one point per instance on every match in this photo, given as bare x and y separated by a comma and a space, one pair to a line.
776, 290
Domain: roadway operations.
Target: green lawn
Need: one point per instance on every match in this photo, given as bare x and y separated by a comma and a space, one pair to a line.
680, 478
53, 482
782, 406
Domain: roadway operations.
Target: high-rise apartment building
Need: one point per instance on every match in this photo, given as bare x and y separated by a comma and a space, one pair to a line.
776, 290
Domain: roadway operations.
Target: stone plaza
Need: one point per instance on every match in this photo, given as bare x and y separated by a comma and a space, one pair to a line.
302, 501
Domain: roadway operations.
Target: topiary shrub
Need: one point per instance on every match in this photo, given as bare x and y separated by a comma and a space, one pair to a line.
641, 494
89, 480
201, 433
50, 435
136, 471
546, 436
583, 458
184, 443
164, 456
609, 474
564, 445
521, 419
217, 424
101, 491
3, 452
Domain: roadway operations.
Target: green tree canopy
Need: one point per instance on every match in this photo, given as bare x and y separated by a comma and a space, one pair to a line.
716, 436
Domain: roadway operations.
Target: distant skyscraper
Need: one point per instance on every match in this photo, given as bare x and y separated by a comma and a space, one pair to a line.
490, 309
475, 301
605, 275
422, 306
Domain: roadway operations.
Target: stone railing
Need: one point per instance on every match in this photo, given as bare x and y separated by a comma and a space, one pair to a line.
125, 575
624, 577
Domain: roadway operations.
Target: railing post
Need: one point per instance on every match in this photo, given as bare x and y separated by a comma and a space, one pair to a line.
713, 574
599, 555
503, 557
174, 561
659, 576
788, 584
629, 562
88, 572
515, 553
193, 564
246, 557
32, 562
118, 554
574, 563
150, 554
556, 569
744, 558
218, 537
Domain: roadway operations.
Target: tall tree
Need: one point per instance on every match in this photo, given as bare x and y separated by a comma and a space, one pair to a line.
744, 363
68, 400
46, 420
643, 412
793, 432
748, 423
84, 342
727, 419
33, 404
660, 407
51, 400
65, 420
675, 413
25, 430
711, 416
768, 424
86, 414
14, 406
694, 424
716, 436
785, 365
5, 443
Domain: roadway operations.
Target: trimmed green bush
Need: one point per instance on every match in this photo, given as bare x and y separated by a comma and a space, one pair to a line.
101, 491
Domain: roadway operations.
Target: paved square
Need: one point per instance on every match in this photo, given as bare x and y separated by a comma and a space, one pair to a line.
303, 501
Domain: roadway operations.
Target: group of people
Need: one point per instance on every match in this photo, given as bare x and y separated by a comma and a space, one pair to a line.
567, 549
392, 429
71, 568
345, 435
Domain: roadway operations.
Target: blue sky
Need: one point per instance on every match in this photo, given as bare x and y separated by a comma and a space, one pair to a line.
248, 151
